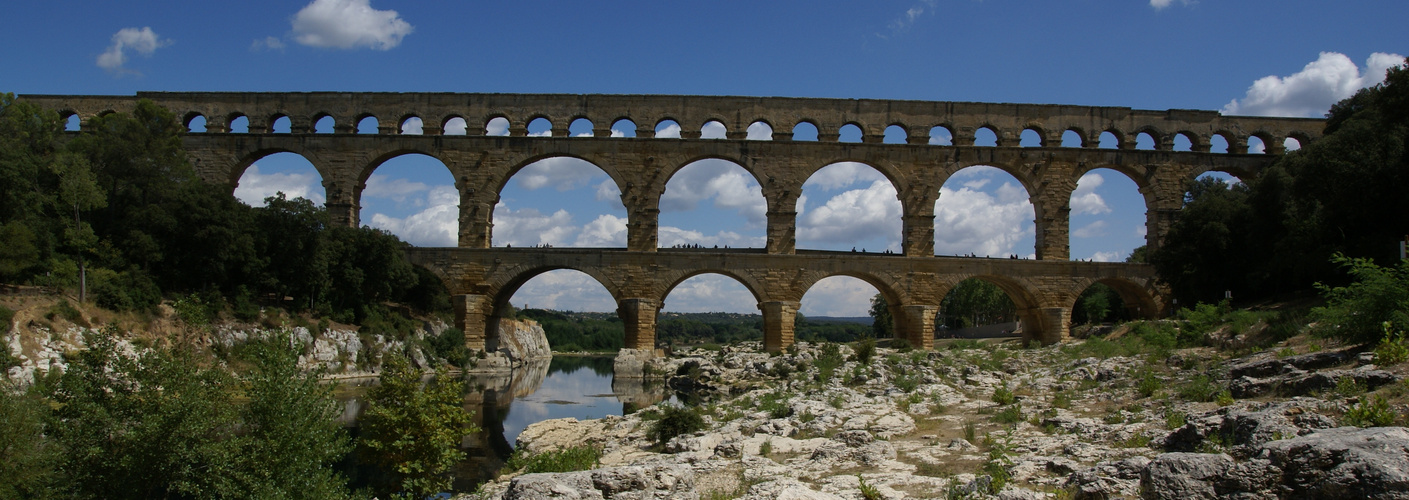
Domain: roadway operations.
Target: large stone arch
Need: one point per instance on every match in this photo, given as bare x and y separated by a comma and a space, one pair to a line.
509, 282
666, 283
1140, 298
1040, 318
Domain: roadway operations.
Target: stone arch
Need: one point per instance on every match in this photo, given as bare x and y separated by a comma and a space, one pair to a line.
1111, 139
521, 163
1075, 137
1301, 138
1192, 140
825, 229
1041, 136
1268, 144
195, 123
580, 126
1033, 316
274, 123
627, 130
894, 295
492, 126
759, 130
367, 124
439, 202
742, 210
896, 133
1157, 140
984, 133
942, 135
663, 128
410, 124
455, 125
806, 130
712, 128
250, 157
668, 284
1116, 200
958, 232
1228, 138
846, 131
1136, 297
538, 125
324, 123
232, 122
506, 284
72, 122
281, 167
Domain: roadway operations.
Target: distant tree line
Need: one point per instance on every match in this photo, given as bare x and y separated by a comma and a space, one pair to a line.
119, 212
604, 332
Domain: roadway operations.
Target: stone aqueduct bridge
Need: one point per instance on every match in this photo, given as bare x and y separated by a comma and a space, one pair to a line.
640, 276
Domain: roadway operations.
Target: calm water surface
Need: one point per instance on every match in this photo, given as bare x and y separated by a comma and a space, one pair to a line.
505, 404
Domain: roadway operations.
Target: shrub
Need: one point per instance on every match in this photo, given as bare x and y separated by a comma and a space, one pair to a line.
65, 310
1009, 415
901, 345
6, 315
1200, 388
1175, 419
675, 421
569, 459
125, 291
1392, 349
776, 405
1357, 312
868, 492
1370, 414
864, 350
970, 431
1148, 384
450, 346
1061, 400
1003, 396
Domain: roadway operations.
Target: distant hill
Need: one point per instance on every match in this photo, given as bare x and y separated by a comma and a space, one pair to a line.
864, 320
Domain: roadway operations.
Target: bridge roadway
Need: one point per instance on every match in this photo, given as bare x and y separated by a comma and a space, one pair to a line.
482, 280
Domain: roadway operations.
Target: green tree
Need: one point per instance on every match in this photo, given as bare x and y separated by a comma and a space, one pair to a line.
1358, 312
975, 302
290, 439
412, 432
152, 425
29, 458
882, 325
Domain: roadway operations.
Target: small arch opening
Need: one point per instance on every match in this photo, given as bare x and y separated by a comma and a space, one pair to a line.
1108, 140
895, 134
1145, 141
497, 127
624, 128
412, 126
941, 136
1182, 142
849, 133
456, 126
1291, 144
73, 123
1218, 144
1030, 139
240, 125
287, 173
324, 125
668, 129
580, 127
713, 129
805, 131
1072, 139
986, 137
281, 125
1256, 146
540, 127
196, 124
368, 125
760, 131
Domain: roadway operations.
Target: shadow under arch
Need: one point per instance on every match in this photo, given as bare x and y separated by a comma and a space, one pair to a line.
1033, 322
1135, 298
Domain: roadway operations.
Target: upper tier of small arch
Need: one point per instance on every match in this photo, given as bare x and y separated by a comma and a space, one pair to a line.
782, 114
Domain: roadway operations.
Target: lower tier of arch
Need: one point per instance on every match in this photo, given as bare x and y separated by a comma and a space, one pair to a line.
481, 281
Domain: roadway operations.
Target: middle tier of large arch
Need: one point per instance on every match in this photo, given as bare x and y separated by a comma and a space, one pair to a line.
641, 167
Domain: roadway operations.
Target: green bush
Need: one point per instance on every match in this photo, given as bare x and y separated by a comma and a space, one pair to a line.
450, 346
1200, 388
1371, 414
864, 350
776, 404
65, 310
1148, 384
1357, 312
570, 459
6, 316
1392, 349
1003, 396
1009, 415
125, 291
675, 421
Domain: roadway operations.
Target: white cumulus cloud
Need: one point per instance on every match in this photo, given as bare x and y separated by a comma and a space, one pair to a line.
1106, 257
267, 43
398, 189
969, 221
1084, 199
564, 290
854, 215
435, 226
530, 227
729, 185
1311, 91
143, 41
1092, 230
1161, 4
256, 186
838, 296
349, 24
710, 293
606, 231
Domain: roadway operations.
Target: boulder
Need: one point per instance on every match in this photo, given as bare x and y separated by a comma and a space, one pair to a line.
1191, 476
522, 341
635, 482
1345, 462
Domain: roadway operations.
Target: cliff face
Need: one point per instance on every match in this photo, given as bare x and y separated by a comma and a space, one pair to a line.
523, 341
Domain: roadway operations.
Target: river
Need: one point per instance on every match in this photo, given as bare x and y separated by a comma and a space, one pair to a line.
505, 404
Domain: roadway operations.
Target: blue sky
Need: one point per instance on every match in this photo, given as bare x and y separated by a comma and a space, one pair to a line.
1285, 58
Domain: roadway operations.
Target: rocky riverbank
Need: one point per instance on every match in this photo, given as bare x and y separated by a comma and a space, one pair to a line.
1095, 419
